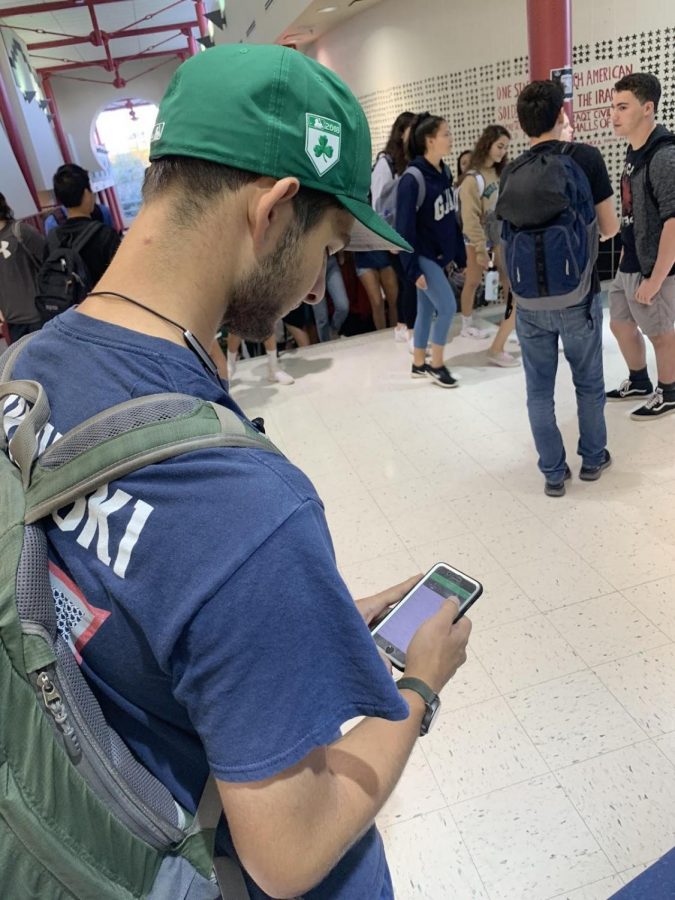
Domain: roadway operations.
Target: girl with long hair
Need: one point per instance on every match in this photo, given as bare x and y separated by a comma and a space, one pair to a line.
425, 217
478, 192
380, 271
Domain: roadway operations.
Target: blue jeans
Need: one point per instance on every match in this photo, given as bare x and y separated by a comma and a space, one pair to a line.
580, 329
438, 300
338, 293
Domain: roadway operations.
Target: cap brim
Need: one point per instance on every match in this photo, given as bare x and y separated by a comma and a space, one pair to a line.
370, 231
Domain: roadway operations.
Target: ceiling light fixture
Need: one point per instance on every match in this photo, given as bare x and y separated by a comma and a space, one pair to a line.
328, 9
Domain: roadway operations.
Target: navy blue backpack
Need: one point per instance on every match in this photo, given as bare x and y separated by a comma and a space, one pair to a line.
549, 229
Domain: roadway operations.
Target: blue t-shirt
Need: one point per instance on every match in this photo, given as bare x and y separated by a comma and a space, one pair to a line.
200, 595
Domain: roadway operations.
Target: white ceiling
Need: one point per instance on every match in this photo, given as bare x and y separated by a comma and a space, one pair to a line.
284, 25
314, 21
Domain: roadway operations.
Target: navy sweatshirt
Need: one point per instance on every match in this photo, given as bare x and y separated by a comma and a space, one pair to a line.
433, 231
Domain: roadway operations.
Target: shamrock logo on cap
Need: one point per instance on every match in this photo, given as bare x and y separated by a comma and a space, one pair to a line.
323, 138
323, 148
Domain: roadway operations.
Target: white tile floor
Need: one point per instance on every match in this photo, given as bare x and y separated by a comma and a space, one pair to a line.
552, 773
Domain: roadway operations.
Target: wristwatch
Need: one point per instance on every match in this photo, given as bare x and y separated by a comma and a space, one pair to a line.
431, 700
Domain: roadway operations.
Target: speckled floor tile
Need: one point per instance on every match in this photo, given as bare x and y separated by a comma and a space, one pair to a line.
480, 749
645, 685
627, 799
574, 718
529, 843
428, 860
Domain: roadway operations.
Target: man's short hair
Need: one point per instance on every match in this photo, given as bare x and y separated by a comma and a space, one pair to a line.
194, 184
70, 183
644, 85
539, 106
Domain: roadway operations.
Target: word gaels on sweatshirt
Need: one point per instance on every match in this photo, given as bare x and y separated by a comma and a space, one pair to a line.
444, 204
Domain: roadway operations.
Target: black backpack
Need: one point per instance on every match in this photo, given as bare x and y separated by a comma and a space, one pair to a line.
63, 279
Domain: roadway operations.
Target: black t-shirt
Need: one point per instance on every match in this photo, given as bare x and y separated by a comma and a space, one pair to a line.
99, 250
591, 161
635, 159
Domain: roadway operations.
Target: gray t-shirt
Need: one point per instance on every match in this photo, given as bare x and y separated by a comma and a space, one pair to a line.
19, 263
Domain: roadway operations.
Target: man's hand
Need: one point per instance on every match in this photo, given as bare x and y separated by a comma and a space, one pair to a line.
438, 647
421, 283
648, 289
372, 608
483, 260
2, 318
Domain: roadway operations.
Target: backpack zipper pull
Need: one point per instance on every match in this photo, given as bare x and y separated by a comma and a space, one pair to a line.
54, 706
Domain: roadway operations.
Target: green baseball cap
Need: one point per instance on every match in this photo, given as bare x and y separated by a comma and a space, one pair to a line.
271, 110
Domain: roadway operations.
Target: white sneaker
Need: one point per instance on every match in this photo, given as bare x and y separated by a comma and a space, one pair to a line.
471, 331
503, 359
278, 376
401, 334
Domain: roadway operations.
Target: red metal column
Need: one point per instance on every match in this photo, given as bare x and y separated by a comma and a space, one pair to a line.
549, 34
115, 208
56, 119
202, 21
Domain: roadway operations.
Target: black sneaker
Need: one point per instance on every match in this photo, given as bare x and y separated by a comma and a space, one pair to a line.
592, 473
557, 489
442, 377
419, 371
655, 408
629, 391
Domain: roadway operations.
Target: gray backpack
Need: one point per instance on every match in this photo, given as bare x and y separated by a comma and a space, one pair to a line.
79, 815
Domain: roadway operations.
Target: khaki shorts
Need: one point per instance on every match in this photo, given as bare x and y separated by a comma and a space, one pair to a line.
653, 320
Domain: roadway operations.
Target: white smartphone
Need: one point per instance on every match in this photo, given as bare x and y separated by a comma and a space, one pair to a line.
394, 633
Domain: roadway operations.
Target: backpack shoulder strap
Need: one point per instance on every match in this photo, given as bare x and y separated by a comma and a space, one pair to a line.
421, 185
86, 236
126, 438
480, 181
16, 231
113, 443
648, 163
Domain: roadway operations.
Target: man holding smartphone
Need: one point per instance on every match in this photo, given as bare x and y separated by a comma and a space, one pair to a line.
221, 638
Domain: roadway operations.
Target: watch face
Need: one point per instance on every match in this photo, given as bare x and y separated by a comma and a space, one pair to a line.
430, 716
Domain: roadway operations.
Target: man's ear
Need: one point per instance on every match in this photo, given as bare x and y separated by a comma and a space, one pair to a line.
271, 210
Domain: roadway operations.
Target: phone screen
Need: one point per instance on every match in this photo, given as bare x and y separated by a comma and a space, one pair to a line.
427, 598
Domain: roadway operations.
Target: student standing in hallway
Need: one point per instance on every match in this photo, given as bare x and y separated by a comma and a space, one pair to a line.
642, 297
431, 227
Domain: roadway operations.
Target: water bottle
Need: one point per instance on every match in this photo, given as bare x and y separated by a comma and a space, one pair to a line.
492, 282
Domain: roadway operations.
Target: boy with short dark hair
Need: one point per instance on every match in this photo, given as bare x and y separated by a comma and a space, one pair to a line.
642, 297
72, 190
552, 303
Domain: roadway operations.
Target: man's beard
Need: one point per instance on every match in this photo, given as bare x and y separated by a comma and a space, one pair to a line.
263, 296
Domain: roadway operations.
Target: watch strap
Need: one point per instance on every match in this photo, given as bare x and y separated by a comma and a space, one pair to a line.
420, 687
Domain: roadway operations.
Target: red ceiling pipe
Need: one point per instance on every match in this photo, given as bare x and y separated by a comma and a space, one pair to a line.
110, 35
56, 119
51, 6
104, 62
549, 34
202, 21
7, 116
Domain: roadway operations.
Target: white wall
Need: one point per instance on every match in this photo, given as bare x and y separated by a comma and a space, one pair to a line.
458, 59
397, 41
80, 103
37, 136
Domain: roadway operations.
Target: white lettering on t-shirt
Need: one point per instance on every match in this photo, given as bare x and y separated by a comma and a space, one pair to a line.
142, 511
96, 509
100, 507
